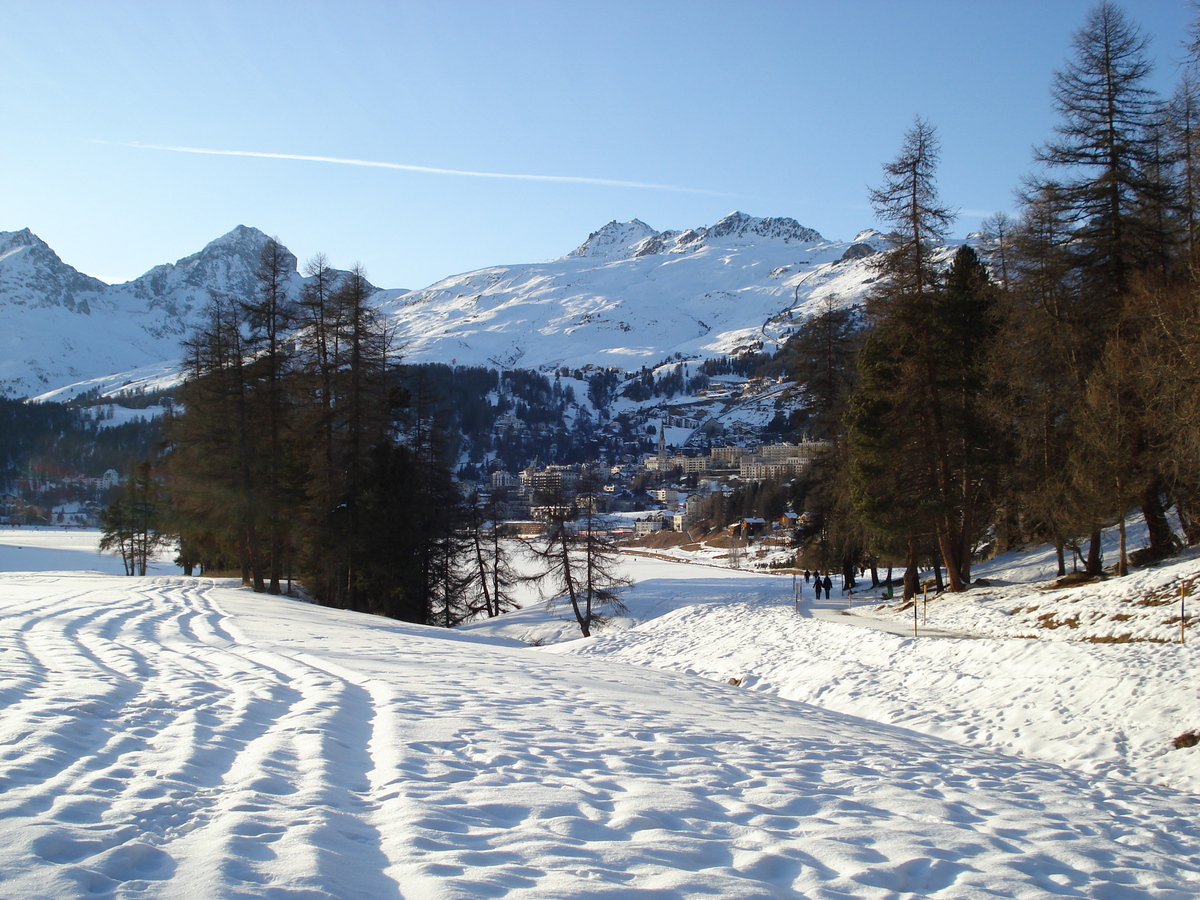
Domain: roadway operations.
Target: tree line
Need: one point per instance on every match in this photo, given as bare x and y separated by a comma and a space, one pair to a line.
1040, 388
301, 454
298, 453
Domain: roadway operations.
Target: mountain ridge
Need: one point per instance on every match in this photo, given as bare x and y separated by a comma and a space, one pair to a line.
626, 297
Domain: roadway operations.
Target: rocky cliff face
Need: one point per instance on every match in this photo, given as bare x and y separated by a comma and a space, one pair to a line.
173, 293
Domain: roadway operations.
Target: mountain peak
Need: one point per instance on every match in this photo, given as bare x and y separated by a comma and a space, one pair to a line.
31, 274
15, 240
239, 235
741, 225
626, 240
616, 240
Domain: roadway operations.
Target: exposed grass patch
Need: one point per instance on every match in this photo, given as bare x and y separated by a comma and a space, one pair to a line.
1048, 620
1189, 622
1168, 594
1187, 739
1073, 579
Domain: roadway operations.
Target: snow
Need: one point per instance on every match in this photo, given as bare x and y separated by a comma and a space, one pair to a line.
629, 297
180, 737
144, 379
64, 550
65, 332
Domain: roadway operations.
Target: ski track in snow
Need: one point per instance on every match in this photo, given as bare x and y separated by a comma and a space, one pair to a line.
171, 737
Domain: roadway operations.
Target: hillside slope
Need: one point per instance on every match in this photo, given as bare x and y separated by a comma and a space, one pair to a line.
168, 737
630, 296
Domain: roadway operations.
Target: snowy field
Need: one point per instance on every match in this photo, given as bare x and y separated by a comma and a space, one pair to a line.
174, 738
65, 550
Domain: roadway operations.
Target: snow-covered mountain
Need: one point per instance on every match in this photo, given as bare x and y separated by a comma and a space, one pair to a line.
60, 327
631, 296
628, 296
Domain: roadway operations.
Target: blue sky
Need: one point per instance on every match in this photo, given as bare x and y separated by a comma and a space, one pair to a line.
672, 112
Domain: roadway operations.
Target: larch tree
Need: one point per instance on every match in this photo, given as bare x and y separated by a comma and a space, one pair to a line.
215, 445
1037, 375
919, 374
579, 565
270, 318
1107, 163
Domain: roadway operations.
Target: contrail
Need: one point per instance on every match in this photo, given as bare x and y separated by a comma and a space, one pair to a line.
431, 170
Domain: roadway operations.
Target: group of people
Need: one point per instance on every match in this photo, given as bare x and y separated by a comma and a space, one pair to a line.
819, 584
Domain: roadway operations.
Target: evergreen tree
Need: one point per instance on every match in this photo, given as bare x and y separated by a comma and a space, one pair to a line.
1109, 161
891, 470
270, 319
347, 370
823, 352
919, 375
1105, 153
1182, 134
214, 445
132, 525
1037, 375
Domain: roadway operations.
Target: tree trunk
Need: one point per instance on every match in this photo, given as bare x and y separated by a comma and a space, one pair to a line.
1162, 539
276, 575
950, 557
911, 579
966, 540
1122, 561
1095, 559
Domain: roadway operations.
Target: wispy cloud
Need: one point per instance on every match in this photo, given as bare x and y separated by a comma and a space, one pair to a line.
429, 170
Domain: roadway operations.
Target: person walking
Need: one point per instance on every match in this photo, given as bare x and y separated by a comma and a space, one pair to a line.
828, 585
816, 586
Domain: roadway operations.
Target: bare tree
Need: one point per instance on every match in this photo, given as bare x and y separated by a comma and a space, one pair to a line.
580, 564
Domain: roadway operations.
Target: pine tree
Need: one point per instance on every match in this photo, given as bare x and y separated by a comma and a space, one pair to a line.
1182, 134
823, 352
347, 372
919, 376
214, 446
1036, 374
270, 318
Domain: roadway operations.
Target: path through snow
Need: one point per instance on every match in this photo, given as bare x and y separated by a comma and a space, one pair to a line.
170, 737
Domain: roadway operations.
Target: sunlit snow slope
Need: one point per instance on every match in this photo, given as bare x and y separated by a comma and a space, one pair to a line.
169, 737
630, 296
627, 297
